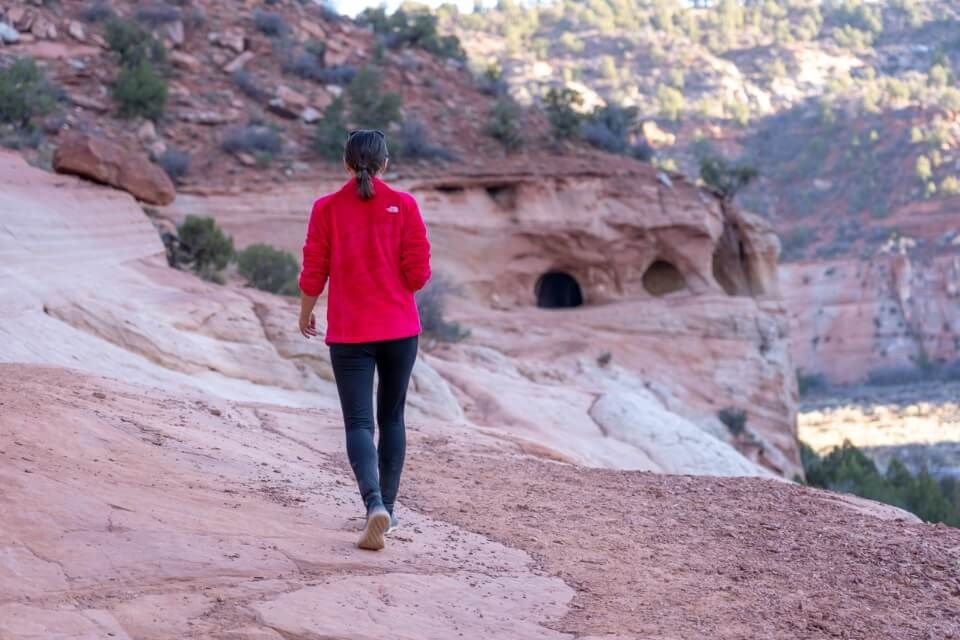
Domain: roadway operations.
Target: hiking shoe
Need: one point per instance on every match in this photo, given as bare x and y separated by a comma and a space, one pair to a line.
394, 523
378, 521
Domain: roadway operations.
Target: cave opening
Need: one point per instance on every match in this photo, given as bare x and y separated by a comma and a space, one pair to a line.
558, 290
663, 277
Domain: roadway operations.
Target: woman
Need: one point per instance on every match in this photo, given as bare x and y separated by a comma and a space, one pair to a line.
371, 243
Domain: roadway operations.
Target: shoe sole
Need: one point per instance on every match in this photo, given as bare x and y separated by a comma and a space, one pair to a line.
372, 538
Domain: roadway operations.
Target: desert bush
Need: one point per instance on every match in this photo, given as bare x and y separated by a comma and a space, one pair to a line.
157, 14
25, 93
794, 242
133, 44
414, 142
330, 133
734, 419
341, 74
260, 141
610, 127
560, 107
923, 169
502, 125
724, 178
248, 85
269, 269
894, 376
412, 26
270, 23
370, 106
847, 468
140, 91
175, 163
97, 11
490, 81
207, 248
950, 186
431, 303
669, 102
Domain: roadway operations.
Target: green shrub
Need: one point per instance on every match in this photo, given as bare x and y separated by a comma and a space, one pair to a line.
431, 303
370, 107
330, 133
734, 419
25, 93
140, 91
413, 142
808, 383
412, 26
794, 242
502, 123
559, 105
723, 178
133, 43
669, 101
269, 269
848, 469
207, 248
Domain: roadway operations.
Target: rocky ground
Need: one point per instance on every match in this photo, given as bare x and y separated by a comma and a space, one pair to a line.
131, 513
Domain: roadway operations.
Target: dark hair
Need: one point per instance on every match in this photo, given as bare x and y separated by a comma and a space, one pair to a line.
366, 154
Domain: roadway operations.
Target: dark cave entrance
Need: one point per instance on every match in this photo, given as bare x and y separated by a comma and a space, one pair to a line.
558, 290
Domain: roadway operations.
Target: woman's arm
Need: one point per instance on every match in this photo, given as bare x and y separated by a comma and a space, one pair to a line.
316, 267
414, 248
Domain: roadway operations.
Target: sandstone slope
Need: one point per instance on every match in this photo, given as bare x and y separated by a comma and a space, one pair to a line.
133, 513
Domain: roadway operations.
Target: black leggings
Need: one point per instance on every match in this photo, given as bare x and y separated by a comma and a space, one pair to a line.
353, 367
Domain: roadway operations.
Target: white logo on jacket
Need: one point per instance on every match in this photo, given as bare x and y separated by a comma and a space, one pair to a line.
393, 209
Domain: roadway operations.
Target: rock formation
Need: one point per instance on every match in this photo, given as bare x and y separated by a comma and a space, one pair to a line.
104, 161
678, 293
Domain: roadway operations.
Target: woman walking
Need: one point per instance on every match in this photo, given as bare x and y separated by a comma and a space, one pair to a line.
370, 242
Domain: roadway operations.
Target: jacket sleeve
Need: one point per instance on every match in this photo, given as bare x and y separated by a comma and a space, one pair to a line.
414, 247
316, 253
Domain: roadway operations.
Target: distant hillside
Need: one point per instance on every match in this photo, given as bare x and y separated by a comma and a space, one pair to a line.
848, 109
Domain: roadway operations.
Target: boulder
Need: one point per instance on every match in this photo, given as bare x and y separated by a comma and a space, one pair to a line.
76, 31
239, 62
288, 103
231, 39
109, 163
175, 33
310, 115
184, 61
209, 116
43, 29
87, 102
8, 35
20, 18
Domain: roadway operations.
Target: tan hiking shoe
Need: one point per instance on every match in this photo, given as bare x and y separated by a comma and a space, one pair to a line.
378, 521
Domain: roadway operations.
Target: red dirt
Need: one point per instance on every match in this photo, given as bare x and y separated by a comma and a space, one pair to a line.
692, 557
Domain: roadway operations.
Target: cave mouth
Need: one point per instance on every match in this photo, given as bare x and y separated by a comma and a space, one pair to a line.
662, 277
558, 290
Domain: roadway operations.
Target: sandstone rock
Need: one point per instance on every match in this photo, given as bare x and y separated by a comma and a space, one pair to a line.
43, 29
103, 161
246, 159
175, 32
288, 103
239, 62
157, 148
209, 116
147, 132
8, 34
334, 90
76, 31
87, 101
656, 136
185, 61
322, 100
310, 115
313, 30
20, 17
231, 39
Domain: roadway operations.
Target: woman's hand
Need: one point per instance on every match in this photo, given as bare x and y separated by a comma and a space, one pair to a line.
308, 322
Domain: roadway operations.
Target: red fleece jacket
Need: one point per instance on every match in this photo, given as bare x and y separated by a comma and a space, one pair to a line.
376, 254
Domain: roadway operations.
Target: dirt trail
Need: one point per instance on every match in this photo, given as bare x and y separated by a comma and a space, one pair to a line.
659, 557
129, 513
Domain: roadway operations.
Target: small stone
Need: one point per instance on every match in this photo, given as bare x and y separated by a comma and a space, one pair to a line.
246, 159
100, 395
310, 115
157, 148
238, 63
334, 90
216, 412
175, 33
185, 61
234, 40
147, 132
76, 31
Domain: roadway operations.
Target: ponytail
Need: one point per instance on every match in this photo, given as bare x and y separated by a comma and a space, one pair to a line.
365, 184
366, 155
